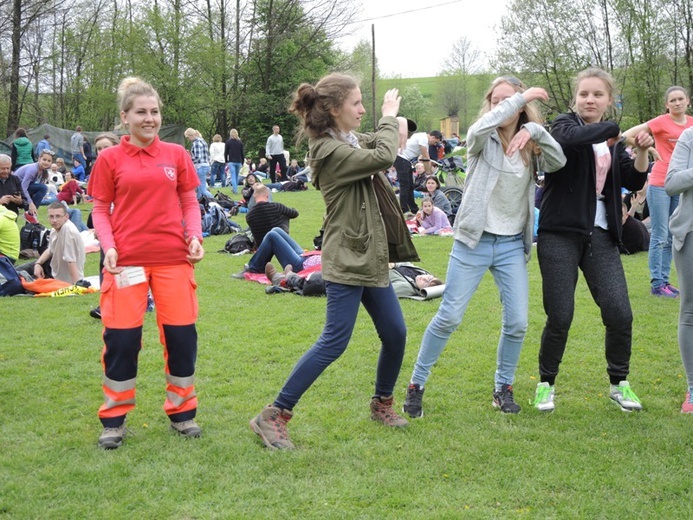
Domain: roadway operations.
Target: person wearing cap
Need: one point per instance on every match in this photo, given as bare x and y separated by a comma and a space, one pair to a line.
416, 147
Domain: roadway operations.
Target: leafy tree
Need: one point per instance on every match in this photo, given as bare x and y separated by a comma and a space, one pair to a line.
416, 107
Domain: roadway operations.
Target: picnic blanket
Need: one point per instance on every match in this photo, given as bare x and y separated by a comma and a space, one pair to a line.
261, 278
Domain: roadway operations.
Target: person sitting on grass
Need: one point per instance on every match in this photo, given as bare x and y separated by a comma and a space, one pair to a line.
277, 242
9, 234
431, 220
439, 199
264, 216
78, 171
70, 192
64, 258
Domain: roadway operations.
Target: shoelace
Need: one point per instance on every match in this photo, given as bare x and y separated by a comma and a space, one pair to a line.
415, 396
543, 394
628, 394
280, 426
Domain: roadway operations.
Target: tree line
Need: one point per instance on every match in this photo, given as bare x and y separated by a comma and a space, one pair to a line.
220, 64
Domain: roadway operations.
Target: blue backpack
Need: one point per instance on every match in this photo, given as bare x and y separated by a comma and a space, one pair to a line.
10, 284
215, 222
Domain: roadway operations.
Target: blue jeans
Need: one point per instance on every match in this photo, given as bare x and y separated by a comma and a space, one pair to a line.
504, 256
234, 168
201, 190
277, 243
76, 218
661, 208
218, 174
81, 159
37, 190
342, 308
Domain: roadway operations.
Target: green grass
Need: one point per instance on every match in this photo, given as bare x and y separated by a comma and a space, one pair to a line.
463, 459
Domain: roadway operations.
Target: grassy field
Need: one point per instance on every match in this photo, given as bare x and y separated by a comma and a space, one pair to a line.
463, 459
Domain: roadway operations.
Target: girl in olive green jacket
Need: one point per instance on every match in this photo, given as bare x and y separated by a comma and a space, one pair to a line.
355, 254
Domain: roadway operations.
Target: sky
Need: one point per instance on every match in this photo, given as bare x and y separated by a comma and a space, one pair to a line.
413, 37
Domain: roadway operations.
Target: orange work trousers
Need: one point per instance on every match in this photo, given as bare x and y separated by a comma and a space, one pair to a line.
122, 312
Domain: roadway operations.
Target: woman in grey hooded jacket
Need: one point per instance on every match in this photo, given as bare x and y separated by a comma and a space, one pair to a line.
679, 181
493, 231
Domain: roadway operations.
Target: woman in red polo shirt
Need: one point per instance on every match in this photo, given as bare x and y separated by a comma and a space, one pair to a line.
146, 246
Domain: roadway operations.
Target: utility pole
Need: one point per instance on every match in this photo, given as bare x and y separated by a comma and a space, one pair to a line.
374, 116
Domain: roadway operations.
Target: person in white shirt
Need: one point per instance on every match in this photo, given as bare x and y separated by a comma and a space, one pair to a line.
274, 151
216, 156
417, 147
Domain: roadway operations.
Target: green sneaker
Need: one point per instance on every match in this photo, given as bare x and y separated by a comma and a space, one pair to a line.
543, 399
623, 396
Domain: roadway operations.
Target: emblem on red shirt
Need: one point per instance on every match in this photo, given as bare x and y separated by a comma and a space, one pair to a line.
170, 173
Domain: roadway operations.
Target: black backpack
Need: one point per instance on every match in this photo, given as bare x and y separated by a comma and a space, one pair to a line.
224, 200
34, 236
238, 243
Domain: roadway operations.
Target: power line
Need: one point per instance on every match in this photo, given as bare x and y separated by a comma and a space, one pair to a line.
428, 7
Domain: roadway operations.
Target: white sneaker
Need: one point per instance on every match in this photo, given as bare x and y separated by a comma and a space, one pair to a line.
623, 396
543, 398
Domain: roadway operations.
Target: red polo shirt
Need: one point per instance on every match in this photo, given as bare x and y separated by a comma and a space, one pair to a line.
144, 185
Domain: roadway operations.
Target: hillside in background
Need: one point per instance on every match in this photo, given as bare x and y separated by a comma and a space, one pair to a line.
435, 90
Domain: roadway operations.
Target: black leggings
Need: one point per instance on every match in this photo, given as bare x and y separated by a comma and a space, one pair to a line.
560, 255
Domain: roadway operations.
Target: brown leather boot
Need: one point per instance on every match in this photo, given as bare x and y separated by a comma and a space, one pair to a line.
273, 275
382, 411
270, 425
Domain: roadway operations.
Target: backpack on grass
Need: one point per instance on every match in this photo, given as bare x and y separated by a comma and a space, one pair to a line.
10, 284
215, 222
34, 236
238, 243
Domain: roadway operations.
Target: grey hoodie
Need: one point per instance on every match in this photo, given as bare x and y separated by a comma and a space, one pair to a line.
679, 181
485, 157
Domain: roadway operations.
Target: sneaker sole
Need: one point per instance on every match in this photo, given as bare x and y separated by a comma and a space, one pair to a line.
496, 405
545, 408
623, 408
110, 445
413, 416
194, 434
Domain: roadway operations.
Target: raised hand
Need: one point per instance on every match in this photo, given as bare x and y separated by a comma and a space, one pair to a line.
391, 102
535, 93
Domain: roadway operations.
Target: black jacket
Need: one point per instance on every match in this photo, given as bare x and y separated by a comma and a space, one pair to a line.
569, 201
233, 151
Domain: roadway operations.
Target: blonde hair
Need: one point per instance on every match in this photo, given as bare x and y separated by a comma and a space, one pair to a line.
530, 113
313, 105
191, 133
109, 137
216, 138
595, 72
132, 87
234, 134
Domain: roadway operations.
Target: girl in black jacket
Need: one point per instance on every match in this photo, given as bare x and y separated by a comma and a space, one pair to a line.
580, 227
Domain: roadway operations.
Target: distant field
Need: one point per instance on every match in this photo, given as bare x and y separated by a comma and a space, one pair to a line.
432, 89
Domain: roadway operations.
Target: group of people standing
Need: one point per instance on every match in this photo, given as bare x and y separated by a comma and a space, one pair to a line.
585, 163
